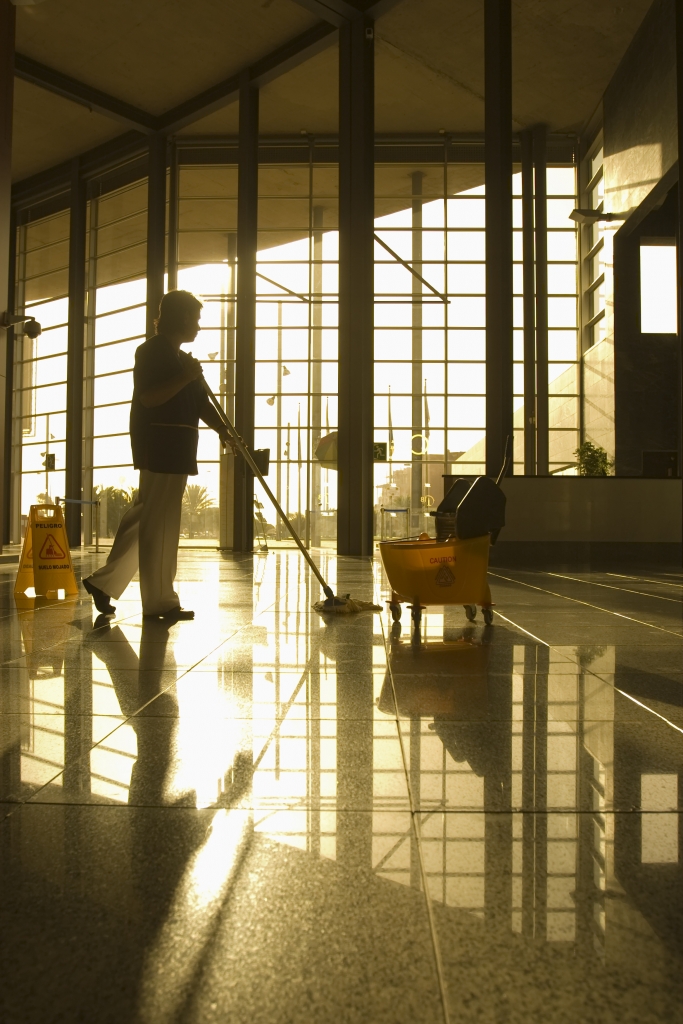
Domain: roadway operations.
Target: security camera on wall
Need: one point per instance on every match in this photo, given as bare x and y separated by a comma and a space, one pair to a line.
32, 329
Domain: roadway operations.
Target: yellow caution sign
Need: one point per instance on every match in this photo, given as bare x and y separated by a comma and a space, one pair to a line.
45, 562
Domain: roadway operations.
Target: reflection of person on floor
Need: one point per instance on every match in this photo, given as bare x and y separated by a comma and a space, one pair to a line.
136, 682
168, 401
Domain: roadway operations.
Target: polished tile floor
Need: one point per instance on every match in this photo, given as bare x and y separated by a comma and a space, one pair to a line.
260, 816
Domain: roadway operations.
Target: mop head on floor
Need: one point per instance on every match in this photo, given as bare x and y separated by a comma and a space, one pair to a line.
344, 606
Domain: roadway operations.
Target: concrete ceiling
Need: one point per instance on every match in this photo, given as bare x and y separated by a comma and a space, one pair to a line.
429, 65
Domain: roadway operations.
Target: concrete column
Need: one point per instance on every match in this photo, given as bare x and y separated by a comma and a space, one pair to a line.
529, 292
75, 357
245, 369
498, 169
356, 287
541, 221
7, 20
156, 227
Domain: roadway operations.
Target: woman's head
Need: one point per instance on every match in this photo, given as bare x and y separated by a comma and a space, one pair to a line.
179, 313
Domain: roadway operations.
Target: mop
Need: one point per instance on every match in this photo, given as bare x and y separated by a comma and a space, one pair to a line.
332, 604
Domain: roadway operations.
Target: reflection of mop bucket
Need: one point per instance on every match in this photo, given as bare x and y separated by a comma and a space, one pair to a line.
436, 679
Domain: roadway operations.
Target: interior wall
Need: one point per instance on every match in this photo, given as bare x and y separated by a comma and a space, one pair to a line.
640, 113
647, 381
627, 383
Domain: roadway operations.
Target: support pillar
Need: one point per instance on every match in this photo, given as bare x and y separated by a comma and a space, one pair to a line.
156, 227
75, 357
356, 288
529, 300
541, 219
418, 443
245, 370
7, 20
498, 170
679, 226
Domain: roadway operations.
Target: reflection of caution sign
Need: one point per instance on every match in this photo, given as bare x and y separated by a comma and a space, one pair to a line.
50, 570
444, 577
51, 549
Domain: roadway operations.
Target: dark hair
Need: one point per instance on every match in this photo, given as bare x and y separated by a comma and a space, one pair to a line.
174, 308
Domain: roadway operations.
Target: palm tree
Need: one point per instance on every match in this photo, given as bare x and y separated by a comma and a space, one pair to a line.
196, 500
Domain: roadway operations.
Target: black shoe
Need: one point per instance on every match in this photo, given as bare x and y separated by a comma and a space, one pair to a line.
101, 600
177, 615
172, 615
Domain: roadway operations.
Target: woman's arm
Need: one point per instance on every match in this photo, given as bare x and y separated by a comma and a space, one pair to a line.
163, 392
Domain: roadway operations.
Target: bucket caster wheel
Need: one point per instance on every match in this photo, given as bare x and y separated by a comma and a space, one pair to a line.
488, 615
416, 613
470, 612
395, 610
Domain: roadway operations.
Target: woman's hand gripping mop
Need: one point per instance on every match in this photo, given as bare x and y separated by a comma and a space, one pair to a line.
332, 604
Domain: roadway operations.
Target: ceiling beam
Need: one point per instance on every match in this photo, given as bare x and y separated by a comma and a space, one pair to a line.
262, 71
336, 12
33, 71
341, 12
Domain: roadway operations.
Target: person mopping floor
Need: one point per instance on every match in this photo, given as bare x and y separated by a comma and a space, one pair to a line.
169, 399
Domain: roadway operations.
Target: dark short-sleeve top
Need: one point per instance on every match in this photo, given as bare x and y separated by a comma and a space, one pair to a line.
164, 438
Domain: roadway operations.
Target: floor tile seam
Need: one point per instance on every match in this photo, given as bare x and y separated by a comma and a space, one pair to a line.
587, 604
399, 731
588, 671
610, 586
436, 946
640, 579
269, 810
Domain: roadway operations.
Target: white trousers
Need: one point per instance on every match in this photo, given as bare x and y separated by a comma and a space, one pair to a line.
147, 538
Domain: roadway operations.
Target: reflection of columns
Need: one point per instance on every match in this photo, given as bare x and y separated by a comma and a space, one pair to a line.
156, 227
7, 20
498, 798
245, 371
78, 739
541, 216
315, 503
415, 792
418, 442
528, 288
355, 747
541, 796
586, 889
356, 287
498, 156
75, 353
528, 780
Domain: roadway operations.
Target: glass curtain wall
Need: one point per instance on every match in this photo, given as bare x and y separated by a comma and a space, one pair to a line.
430, 333
296, 343
115, 326
430, 402
206, 252
39, 406
564, 383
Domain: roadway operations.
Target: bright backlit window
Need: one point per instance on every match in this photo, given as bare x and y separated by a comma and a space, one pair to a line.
658, 313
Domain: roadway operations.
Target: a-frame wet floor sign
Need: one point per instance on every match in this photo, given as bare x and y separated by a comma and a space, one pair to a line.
51, 571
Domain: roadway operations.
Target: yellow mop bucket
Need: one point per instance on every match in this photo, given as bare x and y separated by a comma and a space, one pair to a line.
429, 571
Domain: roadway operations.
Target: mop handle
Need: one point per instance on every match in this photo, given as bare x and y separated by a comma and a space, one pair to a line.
246, 454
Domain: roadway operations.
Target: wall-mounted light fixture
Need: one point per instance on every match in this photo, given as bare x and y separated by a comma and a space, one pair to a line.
592, 216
